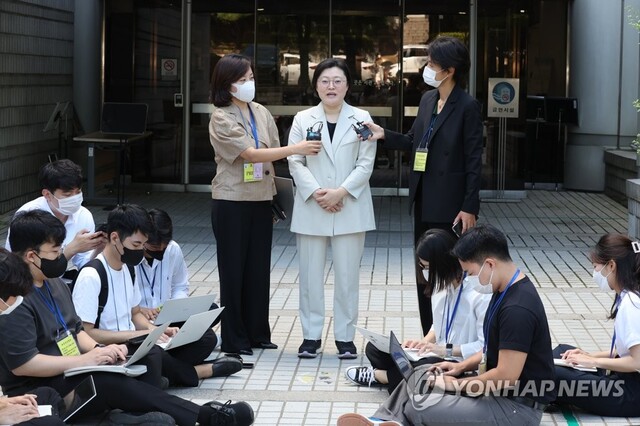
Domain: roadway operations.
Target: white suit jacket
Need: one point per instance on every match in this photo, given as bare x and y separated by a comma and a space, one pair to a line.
345, 162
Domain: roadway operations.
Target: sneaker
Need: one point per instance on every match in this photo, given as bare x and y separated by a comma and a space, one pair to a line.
228, 414
309, 348
346, 350
361, 376
225, 366
119, 417
353, 419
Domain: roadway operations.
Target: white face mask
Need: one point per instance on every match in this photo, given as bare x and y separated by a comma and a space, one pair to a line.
11, 308
474, 282
245, 92
425, 274
69, 205
602, 280
429, 77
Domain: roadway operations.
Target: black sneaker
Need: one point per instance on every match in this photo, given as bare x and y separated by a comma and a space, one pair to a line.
346, 350
309, 348
119, 417
225, 366
228, 414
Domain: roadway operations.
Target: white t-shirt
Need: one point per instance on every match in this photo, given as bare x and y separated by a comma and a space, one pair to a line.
82, 219
627, 323
466, 328
123, 297
164, 280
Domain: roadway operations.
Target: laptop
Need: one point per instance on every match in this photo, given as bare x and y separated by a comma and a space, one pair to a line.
80, 396
179, 310
399, 357
125, 367
283, 200
381, 342
193, 329
123, 118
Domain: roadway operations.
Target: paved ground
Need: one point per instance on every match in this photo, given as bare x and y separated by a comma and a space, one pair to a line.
550, 234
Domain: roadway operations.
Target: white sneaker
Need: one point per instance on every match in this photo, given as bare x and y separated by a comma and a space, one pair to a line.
361, 376
354, 419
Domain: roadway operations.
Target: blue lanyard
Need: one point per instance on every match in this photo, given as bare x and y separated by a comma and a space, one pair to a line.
52, 306
427, 136
613, 339
449, 321
152, 282
493, 309
252, 125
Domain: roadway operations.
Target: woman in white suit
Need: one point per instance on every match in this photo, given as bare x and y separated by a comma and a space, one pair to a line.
332, 206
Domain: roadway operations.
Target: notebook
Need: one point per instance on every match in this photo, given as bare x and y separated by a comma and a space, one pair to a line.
193, 329
125, 367
381, 342
179, 310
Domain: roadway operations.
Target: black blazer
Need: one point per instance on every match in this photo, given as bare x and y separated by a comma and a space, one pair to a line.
451, 181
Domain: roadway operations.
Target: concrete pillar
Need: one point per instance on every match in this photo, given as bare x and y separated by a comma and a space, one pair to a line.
603, 75
87, 62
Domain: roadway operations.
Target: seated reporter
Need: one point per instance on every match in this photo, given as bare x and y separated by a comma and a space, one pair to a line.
31, 356
614, 389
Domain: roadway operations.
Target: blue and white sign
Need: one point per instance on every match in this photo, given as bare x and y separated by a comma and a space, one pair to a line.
503, 97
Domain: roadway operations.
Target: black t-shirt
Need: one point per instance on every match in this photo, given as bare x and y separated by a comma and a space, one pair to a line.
520, 324
31, 329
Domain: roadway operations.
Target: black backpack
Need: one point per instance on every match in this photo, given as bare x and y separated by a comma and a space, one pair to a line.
104, 284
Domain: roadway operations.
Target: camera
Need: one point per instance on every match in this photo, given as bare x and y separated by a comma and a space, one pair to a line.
362, 130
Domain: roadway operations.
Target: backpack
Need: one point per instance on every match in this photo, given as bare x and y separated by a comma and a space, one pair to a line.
104, 284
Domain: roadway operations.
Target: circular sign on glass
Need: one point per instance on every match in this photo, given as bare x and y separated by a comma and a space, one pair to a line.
503, 93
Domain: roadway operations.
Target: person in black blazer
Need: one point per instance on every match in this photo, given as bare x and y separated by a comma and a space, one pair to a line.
445, 143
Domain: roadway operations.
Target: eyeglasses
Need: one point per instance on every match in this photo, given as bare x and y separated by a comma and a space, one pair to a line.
337, 82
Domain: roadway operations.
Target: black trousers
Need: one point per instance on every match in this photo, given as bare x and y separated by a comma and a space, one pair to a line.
424, 301
177, 364
243, 232
615, 395
383, 361
47, 396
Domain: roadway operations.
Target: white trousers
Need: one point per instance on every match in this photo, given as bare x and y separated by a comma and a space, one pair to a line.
312, 254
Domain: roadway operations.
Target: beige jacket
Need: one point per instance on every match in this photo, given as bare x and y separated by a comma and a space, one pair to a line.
230, 136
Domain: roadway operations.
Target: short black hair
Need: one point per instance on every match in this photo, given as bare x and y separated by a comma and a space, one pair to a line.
127, 219
60, 174
481, 242
330, 63
229, 69
162, 227
30, 229
450, 52
435, 246
15, 277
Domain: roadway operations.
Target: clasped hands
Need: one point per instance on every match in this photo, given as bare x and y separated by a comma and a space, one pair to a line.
330, 199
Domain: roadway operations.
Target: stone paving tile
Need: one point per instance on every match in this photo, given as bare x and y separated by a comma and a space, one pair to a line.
550, 234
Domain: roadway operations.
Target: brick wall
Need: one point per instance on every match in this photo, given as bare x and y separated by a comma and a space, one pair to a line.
36, 64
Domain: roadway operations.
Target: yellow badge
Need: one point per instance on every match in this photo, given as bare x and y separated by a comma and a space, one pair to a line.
420, 160
67, 345
482, 367
253, 172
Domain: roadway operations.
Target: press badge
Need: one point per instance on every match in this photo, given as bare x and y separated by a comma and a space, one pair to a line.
253, 172
67, 344
420, 160
482, 367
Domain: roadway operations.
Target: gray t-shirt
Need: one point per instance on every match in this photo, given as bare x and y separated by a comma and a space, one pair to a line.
33, 328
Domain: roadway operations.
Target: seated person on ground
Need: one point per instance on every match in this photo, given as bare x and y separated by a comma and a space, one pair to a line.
61, 184
121, 319
458, 315
613, 390
515, 366
43, 337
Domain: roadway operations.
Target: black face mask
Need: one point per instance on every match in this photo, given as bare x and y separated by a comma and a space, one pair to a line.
132, 257
156, 254
53, 268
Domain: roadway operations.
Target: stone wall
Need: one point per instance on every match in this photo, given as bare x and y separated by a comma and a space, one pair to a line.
620, 165
36, 64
